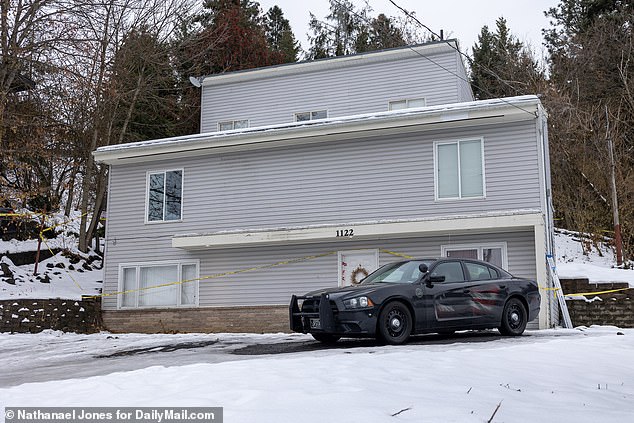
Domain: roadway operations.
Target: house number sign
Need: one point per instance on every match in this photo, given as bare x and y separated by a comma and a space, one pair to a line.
345, 232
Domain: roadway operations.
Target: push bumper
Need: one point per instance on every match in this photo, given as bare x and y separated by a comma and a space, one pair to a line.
325, 316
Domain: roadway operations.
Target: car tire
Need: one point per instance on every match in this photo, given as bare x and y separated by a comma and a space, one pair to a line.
394, 324
514, 318
325, 338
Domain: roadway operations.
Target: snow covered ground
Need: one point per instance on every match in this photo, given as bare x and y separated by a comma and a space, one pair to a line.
67, 280
597, 264
574, 375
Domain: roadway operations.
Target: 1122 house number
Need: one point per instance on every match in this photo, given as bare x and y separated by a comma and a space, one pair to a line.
345, 232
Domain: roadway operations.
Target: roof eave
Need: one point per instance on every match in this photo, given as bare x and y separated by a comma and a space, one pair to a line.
459, 114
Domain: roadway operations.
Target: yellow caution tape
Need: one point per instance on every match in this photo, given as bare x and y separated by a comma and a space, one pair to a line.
53, 255
396, 254
66, 222
217, 275
579, 294
21, 214
596, 293
235, 272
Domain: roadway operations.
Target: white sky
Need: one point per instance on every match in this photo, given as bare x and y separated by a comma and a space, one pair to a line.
461, 19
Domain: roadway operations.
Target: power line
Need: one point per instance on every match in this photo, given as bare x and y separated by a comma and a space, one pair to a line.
485, 68
409, 15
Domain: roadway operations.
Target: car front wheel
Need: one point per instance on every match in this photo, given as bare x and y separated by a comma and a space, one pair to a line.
395, 323
514, 318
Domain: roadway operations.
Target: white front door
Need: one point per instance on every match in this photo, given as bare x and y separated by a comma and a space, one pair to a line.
356, 265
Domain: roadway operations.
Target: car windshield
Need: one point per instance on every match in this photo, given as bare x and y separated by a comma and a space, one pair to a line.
399, 272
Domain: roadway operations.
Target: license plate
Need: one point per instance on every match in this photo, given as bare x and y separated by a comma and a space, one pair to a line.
315, 324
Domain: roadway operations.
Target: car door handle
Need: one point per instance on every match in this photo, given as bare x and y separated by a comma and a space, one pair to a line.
502, 286
465, 291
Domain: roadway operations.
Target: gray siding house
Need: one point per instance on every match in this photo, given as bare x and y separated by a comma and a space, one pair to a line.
310, 175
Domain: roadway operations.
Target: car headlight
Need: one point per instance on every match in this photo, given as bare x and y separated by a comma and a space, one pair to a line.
358, 302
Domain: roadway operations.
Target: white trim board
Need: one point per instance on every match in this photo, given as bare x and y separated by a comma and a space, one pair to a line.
361, 231
322, 130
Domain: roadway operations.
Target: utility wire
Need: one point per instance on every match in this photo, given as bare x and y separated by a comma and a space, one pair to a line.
409, 15
481, 66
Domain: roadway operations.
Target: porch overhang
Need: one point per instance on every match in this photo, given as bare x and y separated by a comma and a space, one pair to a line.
345, 232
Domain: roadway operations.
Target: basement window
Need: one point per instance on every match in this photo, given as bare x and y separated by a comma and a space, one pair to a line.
163, 284
491, 253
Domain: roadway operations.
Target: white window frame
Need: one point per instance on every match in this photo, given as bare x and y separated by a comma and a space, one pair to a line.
233, 124
479, 247
459, 197
311, 114
407, 101
147, 195
139, 265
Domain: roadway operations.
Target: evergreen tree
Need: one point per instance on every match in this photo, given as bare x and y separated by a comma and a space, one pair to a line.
502, 66
280, 36
347, 30
144, 100
228, 35
383, 33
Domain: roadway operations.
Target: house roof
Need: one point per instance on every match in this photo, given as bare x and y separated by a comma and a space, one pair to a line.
21, 83
349, 127
391, 54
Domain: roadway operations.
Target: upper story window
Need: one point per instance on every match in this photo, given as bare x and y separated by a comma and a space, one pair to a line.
304, 116
459, 169
233, 124
164, 196
406, 104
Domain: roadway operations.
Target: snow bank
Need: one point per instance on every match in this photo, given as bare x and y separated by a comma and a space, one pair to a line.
595, 265
553, 375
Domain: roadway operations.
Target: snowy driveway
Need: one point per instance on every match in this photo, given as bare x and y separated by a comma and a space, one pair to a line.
52, 355
552, 375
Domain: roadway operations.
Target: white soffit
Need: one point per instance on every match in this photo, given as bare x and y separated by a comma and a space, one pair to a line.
348, 127
360, 231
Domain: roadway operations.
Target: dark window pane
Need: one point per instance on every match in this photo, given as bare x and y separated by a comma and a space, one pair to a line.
467, 253
241, 124
478, 272
320, 114
452, 271
156, 197
173, 194
492, 255
301, 117
225, 126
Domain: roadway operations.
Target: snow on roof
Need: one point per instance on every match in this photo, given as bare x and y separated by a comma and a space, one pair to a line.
442, 112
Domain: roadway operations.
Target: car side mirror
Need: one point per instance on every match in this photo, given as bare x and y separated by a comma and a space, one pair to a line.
423, 268
431, 280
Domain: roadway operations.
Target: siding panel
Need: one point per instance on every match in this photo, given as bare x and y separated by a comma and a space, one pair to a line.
342, 182
275, 285
343, 92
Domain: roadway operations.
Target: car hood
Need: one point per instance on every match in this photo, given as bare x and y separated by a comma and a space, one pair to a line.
349, 291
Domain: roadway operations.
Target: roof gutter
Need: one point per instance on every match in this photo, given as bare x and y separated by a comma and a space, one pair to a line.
409, 120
